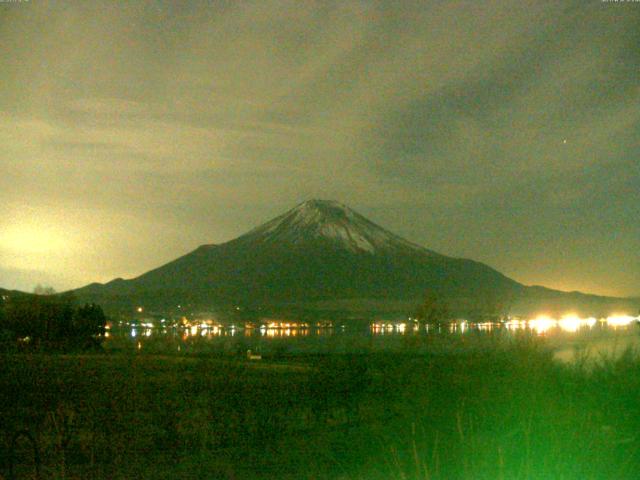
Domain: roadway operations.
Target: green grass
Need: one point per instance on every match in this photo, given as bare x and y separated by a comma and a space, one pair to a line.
509, 412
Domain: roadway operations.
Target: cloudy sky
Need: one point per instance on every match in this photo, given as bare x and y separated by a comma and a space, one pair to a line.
503, 131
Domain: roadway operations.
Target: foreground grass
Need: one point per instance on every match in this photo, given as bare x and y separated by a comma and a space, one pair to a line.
507, 413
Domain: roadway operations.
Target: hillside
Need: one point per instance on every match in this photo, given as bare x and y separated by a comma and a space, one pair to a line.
321, 254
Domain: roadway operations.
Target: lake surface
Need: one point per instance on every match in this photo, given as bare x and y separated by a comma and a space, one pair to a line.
569, 337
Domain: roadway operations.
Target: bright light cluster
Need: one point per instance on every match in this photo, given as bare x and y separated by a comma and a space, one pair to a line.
542, 324
620, 320
572, 323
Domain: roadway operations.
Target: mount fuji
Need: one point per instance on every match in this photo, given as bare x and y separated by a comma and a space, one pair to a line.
317, 254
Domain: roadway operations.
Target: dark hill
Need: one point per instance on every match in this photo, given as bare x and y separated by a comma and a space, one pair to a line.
319, 253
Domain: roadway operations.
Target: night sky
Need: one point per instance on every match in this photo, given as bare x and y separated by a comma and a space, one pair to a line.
503, 131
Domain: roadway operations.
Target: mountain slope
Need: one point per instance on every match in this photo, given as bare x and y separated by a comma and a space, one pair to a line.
328, 221
318, 251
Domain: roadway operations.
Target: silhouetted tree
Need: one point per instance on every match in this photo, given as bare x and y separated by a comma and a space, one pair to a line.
493, 306
88, 321
433, 309
51, 321
43, 290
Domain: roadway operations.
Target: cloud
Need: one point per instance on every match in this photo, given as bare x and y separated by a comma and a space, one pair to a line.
445, 121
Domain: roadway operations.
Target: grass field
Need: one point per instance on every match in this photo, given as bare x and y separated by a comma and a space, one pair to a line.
510, 412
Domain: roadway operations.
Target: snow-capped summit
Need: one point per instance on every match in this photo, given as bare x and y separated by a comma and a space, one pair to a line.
318, 251
332, 221
321, 251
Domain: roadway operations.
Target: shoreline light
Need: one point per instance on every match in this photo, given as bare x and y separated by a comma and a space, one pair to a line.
542, 324
620, 320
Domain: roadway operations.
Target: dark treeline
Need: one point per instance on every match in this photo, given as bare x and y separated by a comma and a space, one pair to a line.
49, 322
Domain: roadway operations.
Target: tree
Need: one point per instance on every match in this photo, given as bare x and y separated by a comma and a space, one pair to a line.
43, 290
88, 321
52, 321
433, 309
493, 306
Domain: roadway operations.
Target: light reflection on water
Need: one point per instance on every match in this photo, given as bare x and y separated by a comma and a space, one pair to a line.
542, 325
565, 336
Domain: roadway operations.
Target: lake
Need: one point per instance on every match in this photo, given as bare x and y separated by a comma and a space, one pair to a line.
569, 337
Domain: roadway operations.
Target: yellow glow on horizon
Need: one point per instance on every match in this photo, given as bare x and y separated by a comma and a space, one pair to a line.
34, 238
48, 245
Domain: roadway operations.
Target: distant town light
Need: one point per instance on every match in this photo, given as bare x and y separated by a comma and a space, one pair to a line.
139, 309
620, 320
570, 323
541, 324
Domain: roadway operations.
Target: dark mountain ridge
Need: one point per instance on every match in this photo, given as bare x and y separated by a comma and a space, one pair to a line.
317, 253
